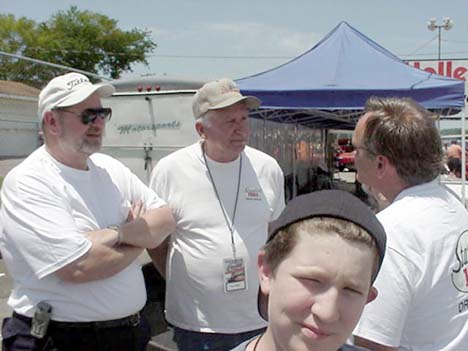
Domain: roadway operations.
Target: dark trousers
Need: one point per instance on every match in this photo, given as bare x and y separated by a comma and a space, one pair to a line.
17, 337
188, 340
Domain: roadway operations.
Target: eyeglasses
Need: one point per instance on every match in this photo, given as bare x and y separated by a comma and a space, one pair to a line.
91, 114
363, 148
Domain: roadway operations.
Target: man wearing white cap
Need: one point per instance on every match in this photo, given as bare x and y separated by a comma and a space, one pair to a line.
223, 195
73, 222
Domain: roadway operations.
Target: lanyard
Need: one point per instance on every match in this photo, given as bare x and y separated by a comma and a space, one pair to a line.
229, 225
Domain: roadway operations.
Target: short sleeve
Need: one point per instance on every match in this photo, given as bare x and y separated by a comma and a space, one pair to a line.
279, 203
384, 319
36, 218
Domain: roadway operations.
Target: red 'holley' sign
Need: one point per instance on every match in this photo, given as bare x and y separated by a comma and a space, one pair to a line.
448, 68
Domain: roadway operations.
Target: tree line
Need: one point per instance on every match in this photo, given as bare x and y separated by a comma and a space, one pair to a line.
83, 40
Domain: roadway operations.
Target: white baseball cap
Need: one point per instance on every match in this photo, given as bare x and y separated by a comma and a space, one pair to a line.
68, 90
220, 94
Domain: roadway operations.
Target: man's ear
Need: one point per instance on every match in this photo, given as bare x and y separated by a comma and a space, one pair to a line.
264, 273
200, 128
382, 165
51, 123
372, 295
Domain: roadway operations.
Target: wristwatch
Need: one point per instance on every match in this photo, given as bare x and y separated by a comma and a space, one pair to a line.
119, 234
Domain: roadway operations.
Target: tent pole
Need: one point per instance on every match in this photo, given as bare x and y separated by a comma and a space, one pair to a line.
264, 134
463, 157
294, 153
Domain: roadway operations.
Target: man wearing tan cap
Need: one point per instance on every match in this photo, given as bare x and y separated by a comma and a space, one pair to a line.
223, 195
72, 224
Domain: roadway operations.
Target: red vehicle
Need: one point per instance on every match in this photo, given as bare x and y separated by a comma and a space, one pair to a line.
344, 155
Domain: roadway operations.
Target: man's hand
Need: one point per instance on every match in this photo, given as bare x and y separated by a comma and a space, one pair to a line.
146, 228
137, 210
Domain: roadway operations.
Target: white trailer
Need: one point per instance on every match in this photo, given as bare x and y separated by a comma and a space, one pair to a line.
146, 126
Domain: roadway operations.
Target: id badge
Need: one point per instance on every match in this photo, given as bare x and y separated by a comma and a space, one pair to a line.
235, 276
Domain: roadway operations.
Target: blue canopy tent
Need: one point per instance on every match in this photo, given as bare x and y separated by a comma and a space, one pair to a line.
328, 85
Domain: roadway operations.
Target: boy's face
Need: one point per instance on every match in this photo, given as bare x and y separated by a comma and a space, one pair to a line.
317, 293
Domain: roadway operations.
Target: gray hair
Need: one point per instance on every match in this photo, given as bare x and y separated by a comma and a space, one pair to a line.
404, 132
205, 119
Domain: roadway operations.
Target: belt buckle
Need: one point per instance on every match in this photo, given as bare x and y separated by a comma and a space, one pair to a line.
134, 319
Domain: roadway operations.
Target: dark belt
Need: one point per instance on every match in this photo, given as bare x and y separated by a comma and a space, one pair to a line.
130, 321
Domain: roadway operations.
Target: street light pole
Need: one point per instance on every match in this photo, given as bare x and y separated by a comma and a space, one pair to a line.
432, 25
438, 46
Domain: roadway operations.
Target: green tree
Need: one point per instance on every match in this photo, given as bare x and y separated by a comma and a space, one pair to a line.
80, 39
15, 37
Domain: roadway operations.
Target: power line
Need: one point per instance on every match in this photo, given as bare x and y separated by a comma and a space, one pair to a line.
278, 57
215, 57
81, 52
421, 47
231, 57
225, 57
455, 41
433, 54
53, 65
66, 51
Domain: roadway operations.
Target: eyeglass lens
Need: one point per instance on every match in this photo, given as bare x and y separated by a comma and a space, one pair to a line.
91, 114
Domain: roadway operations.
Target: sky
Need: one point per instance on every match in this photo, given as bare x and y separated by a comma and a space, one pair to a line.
208, 39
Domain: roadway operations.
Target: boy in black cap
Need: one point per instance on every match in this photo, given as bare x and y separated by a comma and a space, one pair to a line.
316, 273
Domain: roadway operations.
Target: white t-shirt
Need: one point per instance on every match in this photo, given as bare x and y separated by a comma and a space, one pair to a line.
423, 284
46, 208
195, 296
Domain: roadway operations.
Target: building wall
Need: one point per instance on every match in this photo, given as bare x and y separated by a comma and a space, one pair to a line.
18, 126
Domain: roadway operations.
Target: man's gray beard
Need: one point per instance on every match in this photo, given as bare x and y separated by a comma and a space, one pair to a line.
91, 148
85, 147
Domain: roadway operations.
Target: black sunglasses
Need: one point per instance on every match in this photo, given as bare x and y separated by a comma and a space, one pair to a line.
91, 114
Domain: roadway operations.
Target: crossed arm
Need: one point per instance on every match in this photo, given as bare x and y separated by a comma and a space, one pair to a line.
143, 229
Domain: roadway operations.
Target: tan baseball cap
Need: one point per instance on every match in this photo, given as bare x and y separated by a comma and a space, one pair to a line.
68, 90
220, 94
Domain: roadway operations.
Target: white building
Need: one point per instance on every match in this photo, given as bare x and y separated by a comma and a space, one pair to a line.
18, 119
